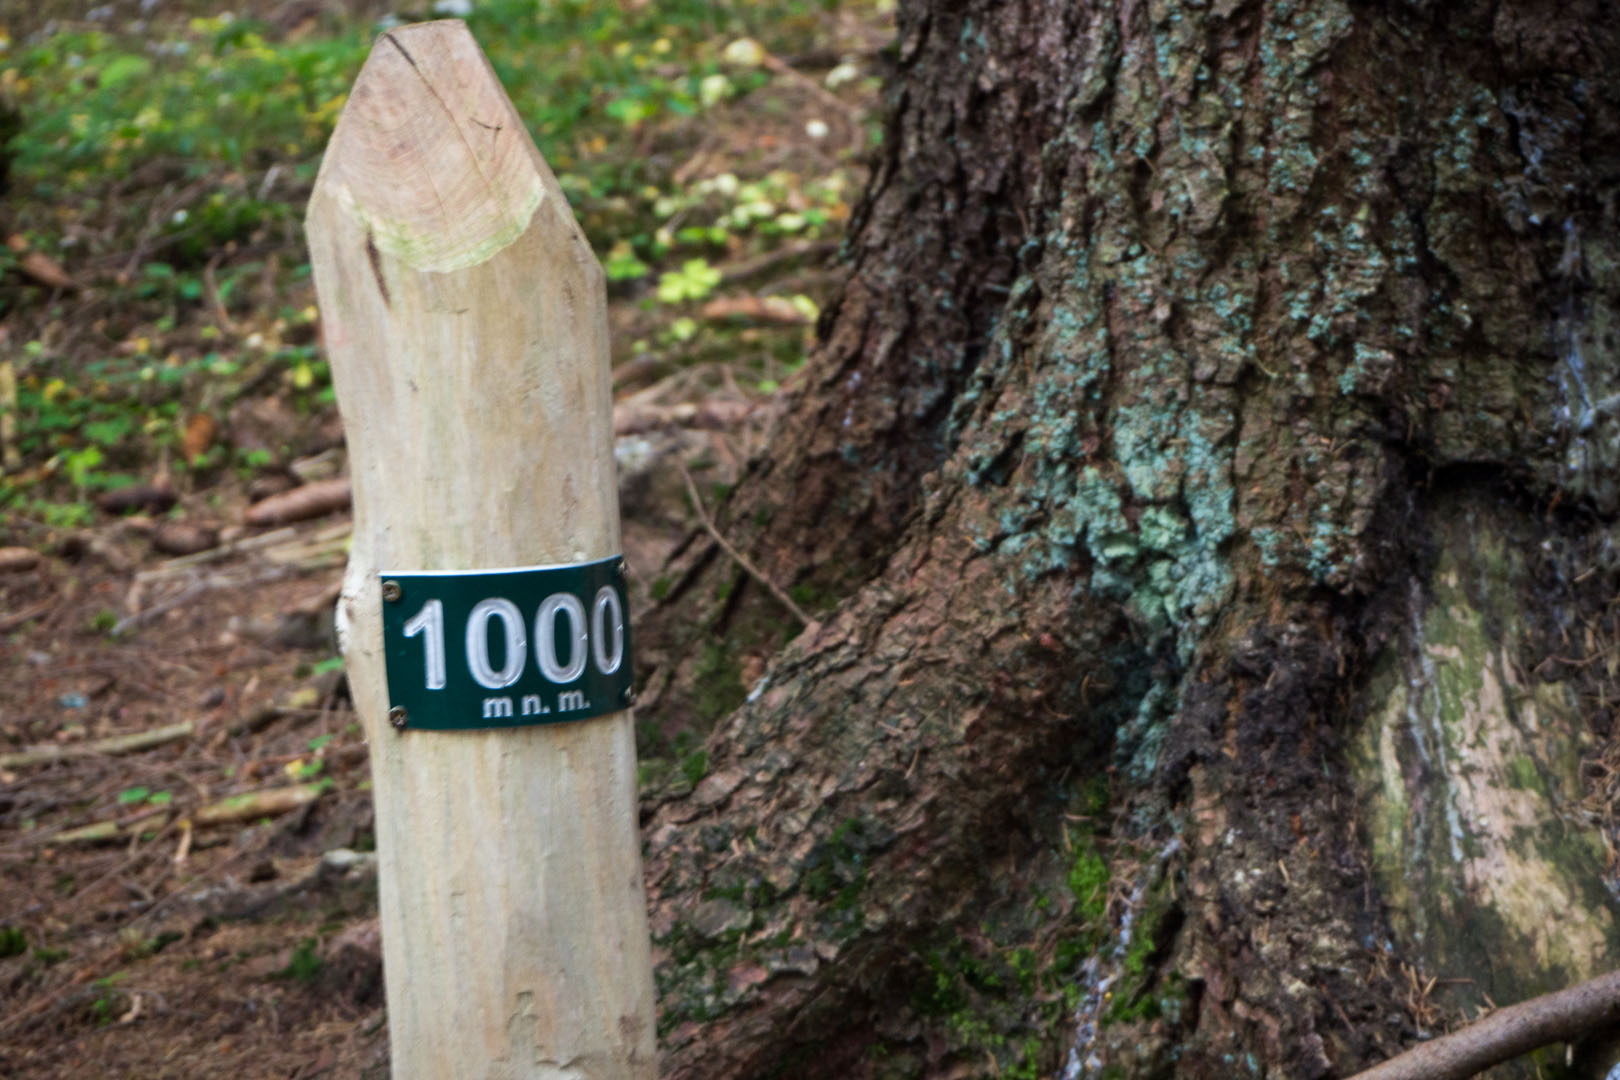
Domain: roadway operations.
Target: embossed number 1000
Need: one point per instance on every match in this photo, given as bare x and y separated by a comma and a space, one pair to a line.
599, 639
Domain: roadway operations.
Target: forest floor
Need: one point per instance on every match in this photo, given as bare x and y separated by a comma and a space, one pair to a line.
187, 881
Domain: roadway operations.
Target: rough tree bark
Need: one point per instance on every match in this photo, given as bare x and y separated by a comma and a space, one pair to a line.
1208, 480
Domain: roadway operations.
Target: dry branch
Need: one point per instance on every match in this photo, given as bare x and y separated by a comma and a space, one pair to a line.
308, 501
100, 832
743, 270
9, 623
1562, 1016
183, 538
632, 418
739, 558
258, 804
14, 559
146, 615
153, 498
776, 310
223, 551
112, 745
10, 455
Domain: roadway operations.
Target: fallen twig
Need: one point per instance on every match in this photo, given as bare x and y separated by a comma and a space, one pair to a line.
819, 92
776, 310
633, 419
300, 503
100, 832
10, 455
196, 589
287, 546
1562, 1016
146, 615
113, 744
733, 273
17, 559
221, 316
738, 557
247, 543
257, 804
10, 622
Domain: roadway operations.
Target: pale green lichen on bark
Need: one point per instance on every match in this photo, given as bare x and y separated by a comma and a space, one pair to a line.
1470, 779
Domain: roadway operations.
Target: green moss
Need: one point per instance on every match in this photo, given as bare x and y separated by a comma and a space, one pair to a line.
717, 682
1522, 773
835, 871
1136, 957
651, 772
695, 766
1464, 769
1094, 796
304, 964
813, 598
1088, 880
1024, 967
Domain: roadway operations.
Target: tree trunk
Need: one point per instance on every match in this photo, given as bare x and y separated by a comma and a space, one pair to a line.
1208, 478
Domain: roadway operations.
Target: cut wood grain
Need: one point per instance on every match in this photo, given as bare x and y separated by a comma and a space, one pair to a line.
465, 318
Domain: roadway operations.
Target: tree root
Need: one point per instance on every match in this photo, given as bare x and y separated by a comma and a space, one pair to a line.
1562, 1016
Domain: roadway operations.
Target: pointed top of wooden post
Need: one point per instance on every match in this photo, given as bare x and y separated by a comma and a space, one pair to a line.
430, 154
466, 323
458, 298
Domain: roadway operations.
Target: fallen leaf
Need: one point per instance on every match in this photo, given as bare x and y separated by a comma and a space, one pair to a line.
39, 266
198, 437
43, 269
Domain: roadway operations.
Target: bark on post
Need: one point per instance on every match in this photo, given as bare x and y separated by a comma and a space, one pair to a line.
465, 319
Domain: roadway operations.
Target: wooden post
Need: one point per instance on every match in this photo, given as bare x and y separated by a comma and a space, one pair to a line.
465, 318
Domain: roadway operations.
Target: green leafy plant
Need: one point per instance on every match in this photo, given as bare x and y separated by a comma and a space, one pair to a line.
693, 281
304, 963
194, 144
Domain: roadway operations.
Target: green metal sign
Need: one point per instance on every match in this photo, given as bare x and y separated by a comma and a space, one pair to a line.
506, 648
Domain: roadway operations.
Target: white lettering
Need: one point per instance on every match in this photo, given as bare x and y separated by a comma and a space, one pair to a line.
606, 598
429, 622
517, 645
545, 639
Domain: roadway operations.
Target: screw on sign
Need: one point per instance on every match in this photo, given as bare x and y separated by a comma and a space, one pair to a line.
465, 319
